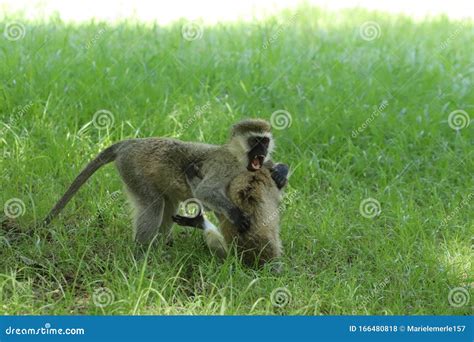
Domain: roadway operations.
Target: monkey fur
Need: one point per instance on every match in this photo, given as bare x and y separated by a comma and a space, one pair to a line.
153, 171
258, 194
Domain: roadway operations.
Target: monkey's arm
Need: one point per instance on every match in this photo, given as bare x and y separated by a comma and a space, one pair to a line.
215, 199
213, 237
210, 190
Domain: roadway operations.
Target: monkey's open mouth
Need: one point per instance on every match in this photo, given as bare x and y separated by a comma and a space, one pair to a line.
256, 163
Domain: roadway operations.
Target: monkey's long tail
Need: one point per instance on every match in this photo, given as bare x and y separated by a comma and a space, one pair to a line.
106, 156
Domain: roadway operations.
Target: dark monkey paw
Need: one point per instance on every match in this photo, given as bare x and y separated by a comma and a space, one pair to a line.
280, 175
240, 220
196, 222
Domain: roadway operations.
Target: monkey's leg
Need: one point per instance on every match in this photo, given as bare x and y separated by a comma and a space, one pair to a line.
214, 198
214, 239
212, 235
217, 201
171, 208
148, 218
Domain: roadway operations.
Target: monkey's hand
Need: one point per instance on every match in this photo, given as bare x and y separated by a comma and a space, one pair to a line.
196, 222
279, 174
240, 220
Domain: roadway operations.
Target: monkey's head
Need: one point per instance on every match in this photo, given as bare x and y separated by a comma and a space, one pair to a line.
252, 142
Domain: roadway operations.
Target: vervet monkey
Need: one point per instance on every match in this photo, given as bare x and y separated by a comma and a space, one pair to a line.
258, 194
153, 170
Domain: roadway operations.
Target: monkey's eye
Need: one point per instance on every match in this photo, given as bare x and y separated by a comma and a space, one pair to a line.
253, 141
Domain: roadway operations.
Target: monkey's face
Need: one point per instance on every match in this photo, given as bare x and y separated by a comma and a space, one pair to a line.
258, 150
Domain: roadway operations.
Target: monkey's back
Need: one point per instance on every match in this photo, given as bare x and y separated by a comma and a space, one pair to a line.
160, 162
256, 194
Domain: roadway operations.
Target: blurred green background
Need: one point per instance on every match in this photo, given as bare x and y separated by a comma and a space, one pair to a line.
370, 108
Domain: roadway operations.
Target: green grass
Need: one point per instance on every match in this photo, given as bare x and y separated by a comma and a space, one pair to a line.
317, 67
